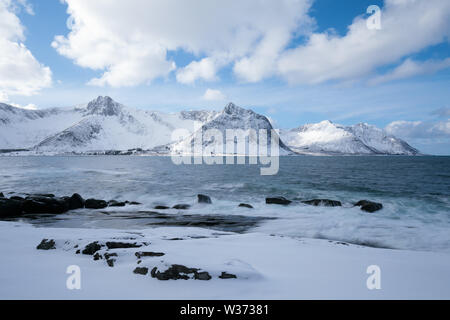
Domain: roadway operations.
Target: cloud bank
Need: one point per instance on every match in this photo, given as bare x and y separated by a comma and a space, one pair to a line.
129, 41
20, 72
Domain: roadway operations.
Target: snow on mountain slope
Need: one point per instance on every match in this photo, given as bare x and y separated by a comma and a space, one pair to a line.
108, 125
104, 124
329, 138
231, 118
381, 141
21, 128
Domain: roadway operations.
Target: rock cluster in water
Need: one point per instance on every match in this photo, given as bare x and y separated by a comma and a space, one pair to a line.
365, 205
50, 204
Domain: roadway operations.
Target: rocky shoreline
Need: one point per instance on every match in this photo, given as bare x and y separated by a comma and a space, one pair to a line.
147, 262
50, 204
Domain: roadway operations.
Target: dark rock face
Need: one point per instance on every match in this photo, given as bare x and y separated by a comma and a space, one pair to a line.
110, 262
41, 204
122, 245
2, 195
75, 202
17, 198
369, 206
10, 208
114, 203
148, 254
109, 255
142, 271
278, 200
176, 272
45, 195
46, 245
244, 205
133, 203
161, 208
181, 206
97, 256
202, 276
95, 204
226, 275
91, 248
204, 199
323, 202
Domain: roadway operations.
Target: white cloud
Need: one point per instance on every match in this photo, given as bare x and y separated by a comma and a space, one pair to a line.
408, 26
213, 95
262, 63
20, 72
411, 68
419, 129
129, 40
205, 69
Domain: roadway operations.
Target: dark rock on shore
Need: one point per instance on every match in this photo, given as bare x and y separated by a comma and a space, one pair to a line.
50, 204
2, 195
202, 276
42, 204
97, 256
278, 200
369, 206
175, 272
122, 245
10, 208
226, 275
110, 262
323, 202
17, 198
181, 206
46, 245
45, 195
108, 255
95, 204
244, 205
75, 202
114, 203
91, 248
204, 199
143, 271
133, 203
148, 254
161, 208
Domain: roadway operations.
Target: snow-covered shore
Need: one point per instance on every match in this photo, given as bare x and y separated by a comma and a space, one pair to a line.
267, 267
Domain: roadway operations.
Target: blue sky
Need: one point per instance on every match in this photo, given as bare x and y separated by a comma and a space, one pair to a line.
295, 61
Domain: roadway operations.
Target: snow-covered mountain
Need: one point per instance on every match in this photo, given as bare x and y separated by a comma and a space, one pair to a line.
108, 125
244, 121
329, 138
104, 124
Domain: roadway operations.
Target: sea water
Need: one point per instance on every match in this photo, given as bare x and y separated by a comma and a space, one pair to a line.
415, 193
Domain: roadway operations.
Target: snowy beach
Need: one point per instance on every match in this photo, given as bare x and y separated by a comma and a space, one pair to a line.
267, 267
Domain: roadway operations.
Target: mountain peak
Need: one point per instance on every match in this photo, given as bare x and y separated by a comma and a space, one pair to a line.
104, 106
231, 108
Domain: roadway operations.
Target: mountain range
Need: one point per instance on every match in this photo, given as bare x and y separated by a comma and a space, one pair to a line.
105, 125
